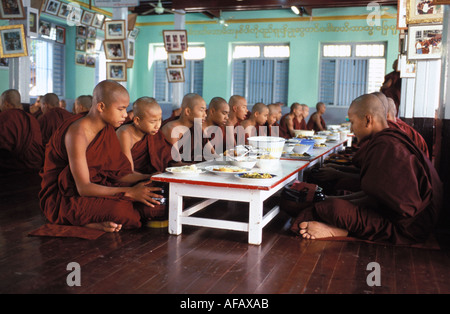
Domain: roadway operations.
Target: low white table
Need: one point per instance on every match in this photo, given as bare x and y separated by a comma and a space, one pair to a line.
213, 187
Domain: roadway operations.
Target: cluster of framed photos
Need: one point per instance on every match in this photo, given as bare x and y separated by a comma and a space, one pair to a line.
62, 9
85, 45
420, 25
175, 43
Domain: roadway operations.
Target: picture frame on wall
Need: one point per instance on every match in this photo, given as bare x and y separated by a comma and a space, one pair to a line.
423, 11
60, 34
63, 10
130, 63
116, 71
81, 31
175, 40
44, 28
424, 42
115, 29
11, 9
80, 58
131, 49
87, 18
91, 32
80, 44
175, 75
90, 45
4, 63
91, 60
401, 14
13, 41
134, 33
114, 49
175, 60
33, 22
52, 7
98, 20
406, 67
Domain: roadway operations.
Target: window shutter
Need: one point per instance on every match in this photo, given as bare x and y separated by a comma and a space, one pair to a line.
58, 69
281, 81
161, 95
239, 84
327, 81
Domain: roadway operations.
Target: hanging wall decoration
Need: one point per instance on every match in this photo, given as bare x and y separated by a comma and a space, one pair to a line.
11, 9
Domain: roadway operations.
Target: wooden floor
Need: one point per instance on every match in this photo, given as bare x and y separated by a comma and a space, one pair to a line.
201, 260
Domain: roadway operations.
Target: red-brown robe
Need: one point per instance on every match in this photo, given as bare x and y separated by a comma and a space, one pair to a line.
21, 146
312, 126
51, 120
283, 129
394, 90
59, 198
404, 188
412, 133
152, 154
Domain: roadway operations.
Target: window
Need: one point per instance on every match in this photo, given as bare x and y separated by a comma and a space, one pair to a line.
261, 73
193, 73
100, 61
350, 70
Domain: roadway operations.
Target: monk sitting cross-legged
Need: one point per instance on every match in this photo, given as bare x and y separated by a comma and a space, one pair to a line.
401, 193
316, 121
215, 124
86, 178
292, 121
52, 116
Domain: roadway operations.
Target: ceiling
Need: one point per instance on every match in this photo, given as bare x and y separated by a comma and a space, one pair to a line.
213, 8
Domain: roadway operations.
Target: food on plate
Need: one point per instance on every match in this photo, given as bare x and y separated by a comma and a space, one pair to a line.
229, 169
266, 157
185, 169
300, 155
320, 145
256, 175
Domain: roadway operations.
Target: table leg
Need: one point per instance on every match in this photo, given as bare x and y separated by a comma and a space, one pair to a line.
255, 219
175, 210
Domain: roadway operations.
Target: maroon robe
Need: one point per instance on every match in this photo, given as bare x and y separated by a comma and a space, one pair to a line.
59, 198
312, 126
394, 90
20, 141
51, 120
404, 188
412, 133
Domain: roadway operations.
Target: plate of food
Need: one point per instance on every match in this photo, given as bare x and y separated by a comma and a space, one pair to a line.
185, 171
255, 176
226, 170
304, 156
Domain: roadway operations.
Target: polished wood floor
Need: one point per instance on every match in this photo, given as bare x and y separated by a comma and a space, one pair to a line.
201, 260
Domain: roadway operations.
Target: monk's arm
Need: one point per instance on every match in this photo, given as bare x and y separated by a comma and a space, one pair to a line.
290, 126
316, 120
126, 144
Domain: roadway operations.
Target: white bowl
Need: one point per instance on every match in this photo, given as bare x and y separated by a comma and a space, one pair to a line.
324, 133
288, 148
263, 163
244, 162
268, 144
301, 148
333, 137
319, 139
334, 127
303, 133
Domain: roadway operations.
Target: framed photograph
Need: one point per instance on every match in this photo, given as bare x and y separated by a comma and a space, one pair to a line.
60, 34
130, 63
44, 28
423, 11
175, 75
33, 22
114, 49
98, 20
175, 60
63, 10
402, 42
11, 9
406, 67
175, 40
424, 42
115, 29
401, 14
81, 31
134, 33
90, 45
90, 60
87, 18
80, 58
13, 42
4, 63
131, 49
80, 44
52, 7
116, 71
91, 32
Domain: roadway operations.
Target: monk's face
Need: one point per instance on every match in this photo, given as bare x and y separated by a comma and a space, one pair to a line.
280, 113
305, 112
220, 116
150, 122
198, 110
116, 112
298, 112
322, 109
359, 124
241, 110
272, 118
261, 117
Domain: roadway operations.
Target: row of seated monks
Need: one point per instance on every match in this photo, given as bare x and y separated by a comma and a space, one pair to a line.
96, 170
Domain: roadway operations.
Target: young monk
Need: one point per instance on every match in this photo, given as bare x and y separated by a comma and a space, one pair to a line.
292, 121
83, 103
21, 146
401, 193
86, 178
35, 109
305, 113
272, 126
257, 119
316, 122
238, 110
216, 121
52, 117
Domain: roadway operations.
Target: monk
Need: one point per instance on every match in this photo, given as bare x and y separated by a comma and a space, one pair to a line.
35, 109
83, 103
392, 85
215, 123
305, 112
292, 121
238, 110
86, 179
272, 126
52, 117
184, 130
258, 118
62, 103
401, 193
21, 146
316, 122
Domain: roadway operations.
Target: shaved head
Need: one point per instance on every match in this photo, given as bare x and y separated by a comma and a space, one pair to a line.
12, 97
382, 97
143, 105
391, 109
369, 104
235, 100
216, 103
259, 107
320, 105
51, 100
273, 108
107, 91
295, 105
190, 100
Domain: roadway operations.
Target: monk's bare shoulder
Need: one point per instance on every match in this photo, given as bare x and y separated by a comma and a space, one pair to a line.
79, 133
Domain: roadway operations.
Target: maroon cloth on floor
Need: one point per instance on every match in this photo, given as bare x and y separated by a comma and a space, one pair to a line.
312, 126
412, 133
21, 145
63, 231
59, 198
51, 120
405, 191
